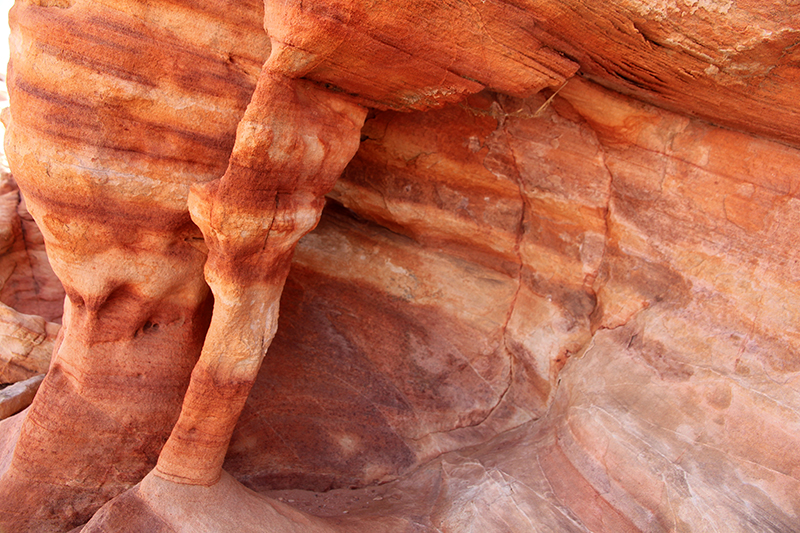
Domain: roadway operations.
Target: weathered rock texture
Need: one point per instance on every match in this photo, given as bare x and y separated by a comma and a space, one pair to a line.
413, 54
292, 143
635, 263
108, 187
18, 396
661, 420
519, 314
31, 298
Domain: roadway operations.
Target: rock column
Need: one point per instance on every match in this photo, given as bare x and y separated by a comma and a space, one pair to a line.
292, 143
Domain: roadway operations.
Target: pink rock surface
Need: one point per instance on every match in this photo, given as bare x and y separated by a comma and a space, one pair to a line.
31, 296
671, 386
518, 312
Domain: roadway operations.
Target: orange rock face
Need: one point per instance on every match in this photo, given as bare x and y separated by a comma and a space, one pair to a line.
733, 63
604, 259
414, 54
292, 143
561, 311
137, 306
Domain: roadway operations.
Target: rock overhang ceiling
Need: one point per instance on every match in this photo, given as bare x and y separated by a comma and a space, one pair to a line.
472, 251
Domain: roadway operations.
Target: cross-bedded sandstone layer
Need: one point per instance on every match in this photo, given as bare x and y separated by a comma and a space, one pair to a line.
569, 315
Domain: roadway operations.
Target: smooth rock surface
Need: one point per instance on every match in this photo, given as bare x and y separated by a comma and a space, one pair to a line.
31, 296
518, 314
137, 306
291, 145
18, 396
26, 344
666, 345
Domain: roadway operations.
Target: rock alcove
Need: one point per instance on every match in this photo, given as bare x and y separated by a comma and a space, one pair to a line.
552, 285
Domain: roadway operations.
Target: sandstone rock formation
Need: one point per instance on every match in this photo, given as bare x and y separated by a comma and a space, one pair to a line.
18, 396
31, 297
565, 301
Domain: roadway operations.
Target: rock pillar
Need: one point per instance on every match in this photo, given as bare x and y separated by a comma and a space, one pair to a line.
292, 143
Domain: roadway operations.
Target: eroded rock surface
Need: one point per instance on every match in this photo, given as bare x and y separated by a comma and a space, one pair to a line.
31, 298
617, 279
519, 312
18, 396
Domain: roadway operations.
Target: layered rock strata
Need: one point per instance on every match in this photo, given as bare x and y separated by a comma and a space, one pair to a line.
31, 298
108, 182
615, 281
292, 143
624, 205
644, 434
137, 305
660, 418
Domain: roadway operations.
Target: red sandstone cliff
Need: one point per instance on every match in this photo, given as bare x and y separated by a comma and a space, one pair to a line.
520, 311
